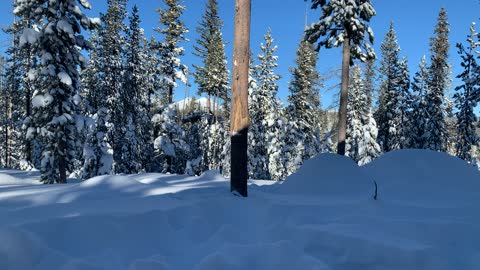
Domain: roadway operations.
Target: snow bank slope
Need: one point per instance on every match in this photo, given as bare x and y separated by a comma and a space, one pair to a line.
329, 175
10, 177
316, 220
425, 176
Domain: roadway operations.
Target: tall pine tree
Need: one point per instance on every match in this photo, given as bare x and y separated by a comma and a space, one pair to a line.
344, 23
303, 110
168, 51
386, 114
436, 132
466, 98
419, 107
212, 76
57, 42
361, 143
264, 114
113, 51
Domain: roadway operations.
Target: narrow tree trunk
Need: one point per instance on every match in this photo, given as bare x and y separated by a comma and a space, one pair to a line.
342, 113
239, 112
28, 111
215, 108
170, 95
208, 104
8, 127
62, 164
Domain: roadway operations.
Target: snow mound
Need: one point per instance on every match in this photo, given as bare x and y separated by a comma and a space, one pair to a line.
422, 175
329, 175
113, 182
8, 178
212, 176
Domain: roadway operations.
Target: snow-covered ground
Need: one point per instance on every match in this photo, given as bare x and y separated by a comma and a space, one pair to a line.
323, 217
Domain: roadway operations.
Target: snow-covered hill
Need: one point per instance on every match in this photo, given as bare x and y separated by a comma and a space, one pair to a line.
323, 217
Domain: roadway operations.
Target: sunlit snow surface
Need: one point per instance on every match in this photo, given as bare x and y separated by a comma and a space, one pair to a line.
323, 217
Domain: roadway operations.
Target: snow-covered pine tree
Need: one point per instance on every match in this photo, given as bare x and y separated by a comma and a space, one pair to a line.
404, 106
371, 77
436, 133
170, 145
3, 114
113, 70
419, 107
22, 60
168, 51
303, 110
361, 143
57, 42
137, 89
466, 98
96, 158
13, 110
91, 77
264, 142
344, 22
212, 77
354, 113
386, 114
193, 124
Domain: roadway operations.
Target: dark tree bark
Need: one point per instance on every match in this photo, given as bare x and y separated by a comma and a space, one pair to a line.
239, 112
342, 112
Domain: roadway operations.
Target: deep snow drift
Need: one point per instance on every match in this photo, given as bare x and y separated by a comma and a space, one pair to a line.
323, 217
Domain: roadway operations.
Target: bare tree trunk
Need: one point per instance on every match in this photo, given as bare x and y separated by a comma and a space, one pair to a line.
239, 112
8, 105
215, 100
62, 167
28, 110
208, 104
342, 113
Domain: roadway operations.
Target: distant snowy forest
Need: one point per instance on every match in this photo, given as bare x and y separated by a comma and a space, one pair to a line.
78, 108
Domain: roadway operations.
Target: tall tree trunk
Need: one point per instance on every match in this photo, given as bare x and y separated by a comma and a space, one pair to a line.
215, 107
342, 113
239, 112
8, 129
208, 104
62, 165
28, 112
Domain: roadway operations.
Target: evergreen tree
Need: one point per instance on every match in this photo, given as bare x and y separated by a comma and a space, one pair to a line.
170, 144
3, 105
22, 60
419, 106
57, 42
361, 143
466, 98
386, 114
264, 108
168, 52
404, 106
137, 89
92, 77
435, 128
117, 98
344, 22
12, 109
303, 111
96, 158
212, 76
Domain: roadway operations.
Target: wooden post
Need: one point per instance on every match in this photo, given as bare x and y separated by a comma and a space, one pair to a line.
239, 112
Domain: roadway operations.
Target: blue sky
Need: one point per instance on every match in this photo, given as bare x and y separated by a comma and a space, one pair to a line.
414, 22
